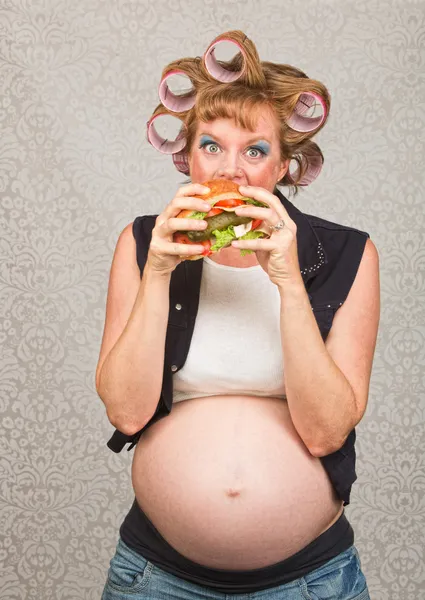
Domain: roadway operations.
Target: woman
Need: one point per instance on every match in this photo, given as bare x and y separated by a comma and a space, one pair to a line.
238, 492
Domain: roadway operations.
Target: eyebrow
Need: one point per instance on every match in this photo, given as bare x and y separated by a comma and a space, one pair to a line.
257, 138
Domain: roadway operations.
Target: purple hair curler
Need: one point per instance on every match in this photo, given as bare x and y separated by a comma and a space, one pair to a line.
298, 121
215, 69
172, 101
161, 144
314, 166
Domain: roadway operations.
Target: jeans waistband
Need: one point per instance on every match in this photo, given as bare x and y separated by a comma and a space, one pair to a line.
139, 533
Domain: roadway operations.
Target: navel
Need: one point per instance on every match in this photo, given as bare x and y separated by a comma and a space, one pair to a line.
233, 492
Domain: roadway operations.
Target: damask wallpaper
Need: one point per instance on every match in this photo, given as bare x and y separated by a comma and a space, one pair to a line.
78, 81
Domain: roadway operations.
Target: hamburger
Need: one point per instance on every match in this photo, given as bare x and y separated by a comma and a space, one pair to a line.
224, 225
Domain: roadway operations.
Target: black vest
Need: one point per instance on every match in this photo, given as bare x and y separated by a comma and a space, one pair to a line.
329, 255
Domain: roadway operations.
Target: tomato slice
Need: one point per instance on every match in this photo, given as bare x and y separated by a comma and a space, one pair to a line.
181, 238
256, 223
207, 245
213, 211
230, 203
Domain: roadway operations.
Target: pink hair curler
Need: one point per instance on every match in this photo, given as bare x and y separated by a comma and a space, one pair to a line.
159, 143
215, 69
180, 159
314, 166
298, 121
172, 101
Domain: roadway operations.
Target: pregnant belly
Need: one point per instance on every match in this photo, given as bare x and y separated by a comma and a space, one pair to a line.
229, 483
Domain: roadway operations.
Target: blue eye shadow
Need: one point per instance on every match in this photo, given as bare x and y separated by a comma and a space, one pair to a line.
263, 146
205, 139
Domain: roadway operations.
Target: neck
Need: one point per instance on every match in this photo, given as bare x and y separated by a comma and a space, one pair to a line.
231, 257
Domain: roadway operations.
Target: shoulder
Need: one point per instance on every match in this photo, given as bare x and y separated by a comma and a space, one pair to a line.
143, 224
142, 229
349, 251
342, 242
328, 228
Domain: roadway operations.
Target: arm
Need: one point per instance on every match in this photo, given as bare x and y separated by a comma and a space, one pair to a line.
130, 368
327, 384
131, 363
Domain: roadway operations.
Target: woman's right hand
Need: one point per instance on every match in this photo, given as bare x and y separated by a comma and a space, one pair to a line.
164, 255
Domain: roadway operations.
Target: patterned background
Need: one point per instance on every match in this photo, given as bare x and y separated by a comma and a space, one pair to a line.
78, 82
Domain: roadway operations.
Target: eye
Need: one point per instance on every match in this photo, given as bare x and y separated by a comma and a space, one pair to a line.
204, 144
259, 151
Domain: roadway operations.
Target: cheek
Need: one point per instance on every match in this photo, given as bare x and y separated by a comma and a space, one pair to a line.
201, 167
266, 171
199, 170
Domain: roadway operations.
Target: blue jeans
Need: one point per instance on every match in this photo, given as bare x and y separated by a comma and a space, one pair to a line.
132, 577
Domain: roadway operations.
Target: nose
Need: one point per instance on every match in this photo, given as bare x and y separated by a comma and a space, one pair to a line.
229, 172
230, 168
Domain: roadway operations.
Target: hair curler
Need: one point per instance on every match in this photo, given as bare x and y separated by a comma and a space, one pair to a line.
298, 121
314, 163
180, 159
174, 102
215, 69
159, 143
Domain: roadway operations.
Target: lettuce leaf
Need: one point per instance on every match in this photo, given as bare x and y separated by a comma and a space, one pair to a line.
251, 235
223, 237
254, 202
197, 215
226, 236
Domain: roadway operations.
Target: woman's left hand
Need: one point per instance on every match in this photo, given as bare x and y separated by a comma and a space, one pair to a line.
278, 255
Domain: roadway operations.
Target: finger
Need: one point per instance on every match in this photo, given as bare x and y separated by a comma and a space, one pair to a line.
192, 188
259, 244
187, 249
265, 214
180, 203
172, 225
265, 196
175, 249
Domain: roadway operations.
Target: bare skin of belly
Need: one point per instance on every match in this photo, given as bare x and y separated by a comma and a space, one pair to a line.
229, 483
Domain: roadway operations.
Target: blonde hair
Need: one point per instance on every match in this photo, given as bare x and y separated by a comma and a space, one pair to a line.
261, 84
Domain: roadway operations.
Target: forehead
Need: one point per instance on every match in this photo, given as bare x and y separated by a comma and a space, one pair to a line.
266, 127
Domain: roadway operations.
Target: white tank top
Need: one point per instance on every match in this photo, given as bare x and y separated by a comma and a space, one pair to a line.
236, 345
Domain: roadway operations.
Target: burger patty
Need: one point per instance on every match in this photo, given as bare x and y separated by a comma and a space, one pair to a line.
221, 221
